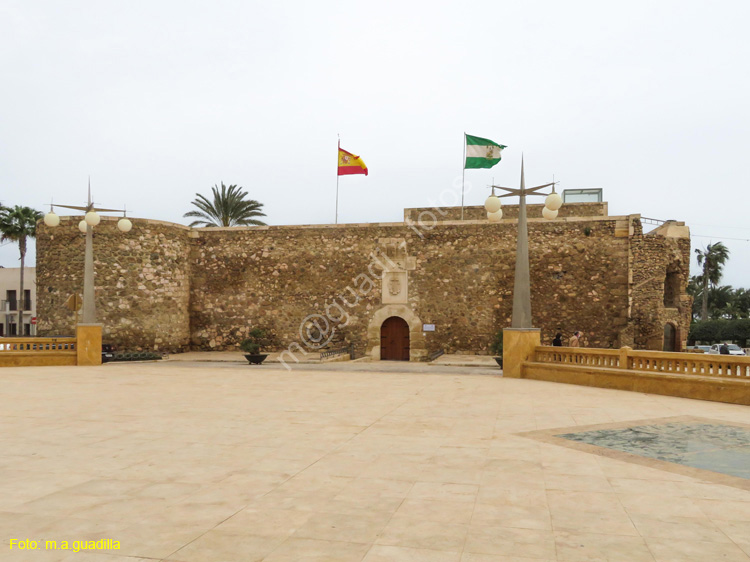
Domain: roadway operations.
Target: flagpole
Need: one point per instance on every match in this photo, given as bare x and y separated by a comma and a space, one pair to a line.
463, 178
338, 151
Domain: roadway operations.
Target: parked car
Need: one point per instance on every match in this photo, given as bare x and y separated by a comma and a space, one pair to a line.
107, 352
733, 349
703, 348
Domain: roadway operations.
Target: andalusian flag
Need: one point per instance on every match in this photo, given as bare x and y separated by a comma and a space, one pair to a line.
482, 153
350, 164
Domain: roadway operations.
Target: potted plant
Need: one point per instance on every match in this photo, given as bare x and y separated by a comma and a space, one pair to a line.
252, 345
496, 348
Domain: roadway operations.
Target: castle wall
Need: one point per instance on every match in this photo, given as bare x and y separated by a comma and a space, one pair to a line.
165, 286
478, 213
461, 280
141, 281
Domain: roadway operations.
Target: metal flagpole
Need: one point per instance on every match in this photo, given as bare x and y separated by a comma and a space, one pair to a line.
338, 152
463, 177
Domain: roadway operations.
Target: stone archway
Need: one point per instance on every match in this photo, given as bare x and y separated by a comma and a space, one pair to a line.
394, 340
417, 348
671, 342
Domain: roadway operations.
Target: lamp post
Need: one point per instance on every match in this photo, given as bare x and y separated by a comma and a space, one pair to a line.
523, 336
89, 340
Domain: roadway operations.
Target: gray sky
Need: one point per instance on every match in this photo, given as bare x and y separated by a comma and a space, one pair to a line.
157, 100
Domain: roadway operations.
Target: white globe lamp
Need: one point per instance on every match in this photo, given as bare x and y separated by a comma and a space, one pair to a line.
92, 218
124, 224
553, 201
51, 219
496, 216
549, 214
82, 226
493, 204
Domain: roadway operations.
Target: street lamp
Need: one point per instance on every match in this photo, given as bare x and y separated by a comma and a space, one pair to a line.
521, 318
520, 340
91, 219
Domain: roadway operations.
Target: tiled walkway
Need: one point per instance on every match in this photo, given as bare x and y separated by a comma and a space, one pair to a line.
202, 463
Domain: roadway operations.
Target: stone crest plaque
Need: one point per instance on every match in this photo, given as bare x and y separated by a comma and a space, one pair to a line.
394, 287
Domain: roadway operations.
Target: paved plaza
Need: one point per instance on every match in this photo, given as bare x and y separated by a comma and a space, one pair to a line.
224, 462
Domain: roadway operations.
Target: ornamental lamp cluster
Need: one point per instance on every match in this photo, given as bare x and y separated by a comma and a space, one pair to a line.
91, 218
494, 206
86, 226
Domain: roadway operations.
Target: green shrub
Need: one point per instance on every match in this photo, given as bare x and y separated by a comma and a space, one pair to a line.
496, 348
712, 331
256, 338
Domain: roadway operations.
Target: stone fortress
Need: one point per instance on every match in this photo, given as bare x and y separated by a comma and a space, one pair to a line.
400, 290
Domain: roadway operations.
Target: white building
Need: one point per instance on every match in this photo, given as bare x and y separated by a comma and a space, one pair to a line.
11, 301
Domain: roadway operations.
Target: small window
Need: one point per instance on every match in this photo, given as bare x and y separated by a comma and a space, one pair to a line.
672, 290
593, 195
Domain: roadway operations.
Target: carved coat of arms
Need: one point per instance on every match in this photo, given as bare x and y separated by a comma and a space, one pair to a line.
394, 286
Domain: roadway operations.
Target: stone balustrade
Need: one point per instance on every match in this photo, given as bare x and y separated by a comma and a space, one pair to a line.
704, 365
32, 351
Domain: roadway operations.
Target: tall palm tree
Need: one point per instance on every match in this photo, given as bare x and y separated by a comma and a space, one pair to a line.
229, 208
712, 259
18, 224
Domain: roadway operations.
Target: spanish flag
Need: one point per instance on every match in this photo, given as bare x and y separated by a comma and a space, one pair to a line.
350, 164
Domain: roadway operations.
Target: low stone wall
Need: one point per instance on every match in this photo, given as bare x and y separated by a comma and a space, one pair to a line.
38, 352
478, 213
684, 386
687, 375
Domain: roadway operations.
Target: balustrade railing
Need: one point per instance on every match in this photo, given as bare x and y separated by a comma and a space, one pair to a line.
705, 365
578, 356
37, 345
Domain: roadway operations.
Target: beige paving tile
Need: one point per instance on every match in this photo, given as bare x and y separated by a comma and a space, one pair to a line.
421, 534
62, 504
738, 531
457, 512
575, 547
444, 491
529, 543
310, 550
605, 522
149, 540
373, 488
725, 509
360, 528
512, 515
659, 506
583, 501
381, 553
321, 465
504, 493
692, 528
265, 523
681, 550
216, 545
575, 482
473, 557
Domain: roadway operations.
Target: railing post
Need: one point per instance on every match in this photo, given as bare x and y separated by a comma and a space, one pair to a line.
624, 363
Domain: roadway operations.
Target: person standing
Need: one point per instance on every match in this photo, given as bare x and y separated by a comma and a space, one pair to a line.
575, 339
557, 342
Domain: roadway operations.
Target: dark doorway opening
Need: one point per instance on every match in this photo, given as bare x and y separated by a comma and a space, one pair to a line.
394, 339
670, 337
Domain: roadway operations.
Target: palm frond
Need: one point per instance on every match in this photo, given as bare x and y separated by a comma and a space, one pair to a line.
228, 208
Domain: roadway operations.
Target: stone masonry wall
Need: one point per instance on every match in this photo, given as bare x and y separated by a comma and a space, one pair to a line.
276, 277
654, 256
165, 286
478, 213
141, 282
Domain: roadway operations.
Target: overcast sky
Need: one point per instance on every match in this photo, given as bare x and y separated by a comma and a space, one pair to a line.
157, 100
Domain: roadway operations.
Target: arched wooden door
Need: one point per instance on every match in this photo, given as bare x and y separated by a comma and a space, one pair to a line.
394, 339
670, 337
